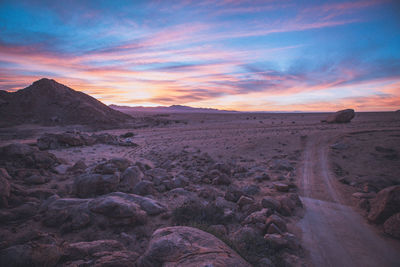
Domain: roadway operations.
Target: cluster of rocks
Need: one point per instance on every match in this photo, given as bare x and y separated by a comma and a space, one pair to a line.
201, 212
74, 139
382, 208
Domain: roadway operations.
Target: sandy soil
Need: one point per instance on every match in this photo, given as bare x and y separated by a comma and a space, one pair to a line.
332, 230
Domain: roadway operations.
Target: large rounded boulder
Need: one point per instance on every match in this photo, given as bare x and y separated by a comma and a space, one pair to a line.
187, 246
385, 204
341, 116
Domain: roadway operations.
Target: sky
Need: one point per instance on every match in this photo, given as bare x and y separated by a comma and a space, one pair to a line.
237, 55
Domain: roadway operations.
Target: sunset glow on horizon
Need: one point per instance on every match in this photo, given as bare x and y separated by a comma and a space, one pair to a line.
235, 55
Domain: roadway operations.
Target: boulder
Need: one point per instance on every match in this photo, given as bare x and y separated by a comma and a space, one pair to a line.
144, 188
25, 156
79, 250
341, 116
243, 200
54, 141
187, 246
4, 188
67, 213
78, 167
30, 254
385, 204
112, 166
89, 185
233, 193
150, 206
392, 225
277, 221
129, 179
270, 203
118, 208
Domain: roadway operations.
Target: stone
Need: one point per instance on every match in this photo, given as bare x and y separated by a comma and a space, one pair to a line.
278, 221
342, 116
89, 185
187, 246
270, 203
25, 156
243, 200
150, 206
30, 254
129, 179
78, 167
79, 250
112, 166
54, 141
144, 188
233, 193
392, 225
385, 204
251, 190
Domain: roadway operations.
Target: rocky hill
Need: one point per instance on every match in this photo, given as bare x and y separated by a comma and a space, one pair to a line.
48, 102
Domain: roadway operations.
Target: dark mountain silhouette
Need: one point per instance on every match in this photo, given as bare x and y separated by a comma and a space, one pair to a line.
170, 109
47, 102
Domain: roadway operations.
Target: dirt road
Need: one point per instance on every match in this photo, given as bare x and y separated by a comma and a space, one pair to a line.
333, 233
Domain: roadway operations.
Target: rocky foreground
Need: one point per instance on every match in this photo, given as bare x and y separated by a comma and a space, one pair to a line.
187, 209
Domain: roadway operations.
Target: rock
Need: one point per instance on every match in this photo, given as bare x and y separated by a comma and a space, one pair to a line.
385, 204
67, 213
118, 208
281, 165
89, 185
262, 178
270, 203
129, 178
392, 225
20, 213
249, 241
187, 246
243, 200
78, 167
265, 262
221, 179
281, 187
273, 229
342, 116
25, 156
251, 190
4, 188
61, 169
54, 141
81, 250
223, 168
281, 241
339, 146
150, 206
288, 204
144, 188
233, 193
278, 221
112, 166
257, 219
30, 254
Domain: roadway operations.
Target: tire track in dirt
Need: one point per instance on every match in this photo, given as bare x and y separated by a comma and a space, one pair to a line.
333, 233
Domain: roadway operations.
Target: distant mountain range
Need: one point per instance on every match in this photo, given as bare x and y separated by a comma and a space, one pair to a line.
48, 102
170, 109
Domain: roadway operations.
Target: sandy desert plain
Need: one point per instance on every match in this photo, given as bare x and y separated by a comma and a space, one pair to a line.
203, 189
